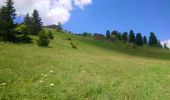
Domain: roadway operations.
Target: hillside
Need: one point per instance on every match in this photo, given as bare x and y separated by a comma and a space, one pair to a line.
96, 70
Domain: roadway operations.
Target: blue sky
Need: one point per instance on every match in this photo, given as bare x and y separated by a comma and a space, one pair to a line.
142, 16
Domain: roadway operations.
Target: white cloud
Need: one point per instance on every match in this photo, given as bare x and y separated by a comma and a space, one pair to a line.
51, 11
167, 42
81, 3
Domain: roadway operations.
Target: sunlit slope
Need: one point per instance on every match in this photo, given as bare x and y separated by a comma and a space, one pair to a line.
96, 70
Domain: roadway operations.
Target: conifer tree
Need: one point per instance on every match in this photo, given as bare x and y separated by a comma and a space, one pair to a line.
36, 24
144, 40
139, 40
125, 36
27, 22
165, 46
7, 25
108, 35
131, 37
153, 41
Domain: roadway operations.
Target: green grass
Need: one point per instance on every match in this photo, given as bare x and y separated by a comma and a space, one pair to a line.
95, 71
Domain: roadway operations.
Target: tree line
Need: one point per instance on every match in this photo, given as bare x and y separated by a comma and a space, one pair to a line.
14, 32
129, 37
133, 38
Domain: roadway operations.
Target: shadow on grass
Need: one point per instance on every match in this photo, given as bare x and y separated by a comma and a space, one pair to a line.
138, 51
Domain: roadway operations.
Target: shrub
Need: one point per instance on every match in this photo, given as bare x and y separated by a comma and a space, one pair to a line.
43, 39
73, 45
69, 39
50, 35
22, 29
25, 39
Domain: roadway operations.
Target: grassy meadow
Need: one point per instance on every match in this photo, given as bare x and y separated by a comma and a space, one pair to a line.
97, 70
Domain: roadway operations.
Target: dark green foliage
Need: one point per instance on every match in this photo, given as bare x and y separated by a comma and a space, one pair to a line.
119, 36
25, 39
50, 35
43, 38
85, 34
153, 41
144, 40
108, 35
36, 25
22, 29
115, 33
27, 22
7, 25
125, 36
73, 45
159, 44
165, 46
131, 37
139, 40
59, 27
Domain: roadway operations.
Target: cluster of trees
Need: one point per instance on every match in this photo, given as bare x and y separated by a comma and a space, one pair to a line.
32, 25
133, 38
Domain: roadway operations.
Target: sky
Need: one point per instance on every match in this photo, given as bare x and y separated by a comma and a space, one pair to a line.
142, 16
97, 16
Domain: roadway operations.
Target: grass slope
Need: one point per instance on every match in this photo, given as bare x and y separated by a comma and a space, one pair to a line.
96, 70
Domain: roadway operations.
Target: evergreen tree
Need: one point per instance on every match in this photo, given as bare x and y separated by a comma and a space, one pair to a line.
139, 40
27, 22
119, 36
153, 40
59, 27
7, 16
159, 44
125, 36
108, 35
36, 25
131, 37
165, 46
115, 33
144, 40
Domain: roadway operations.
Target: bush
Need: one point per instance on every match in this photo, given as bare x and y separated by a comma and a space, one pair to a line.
25, 39
69, 39
73, 45
43, 39
22, 29
50, 35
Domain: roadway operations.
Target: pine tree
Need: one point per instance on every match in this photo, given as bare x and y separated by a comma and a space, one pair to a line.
119, 36
165, 46
125, 36
59, 27
7, 17
108, 35
36, 25
139, 40
144, 40
153, 41
27, 22
131, 37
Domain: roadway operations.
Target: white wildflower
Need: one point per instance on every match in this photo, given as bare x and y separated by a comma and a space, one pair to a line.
51, 84
51, 71
45, 75
41, 81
